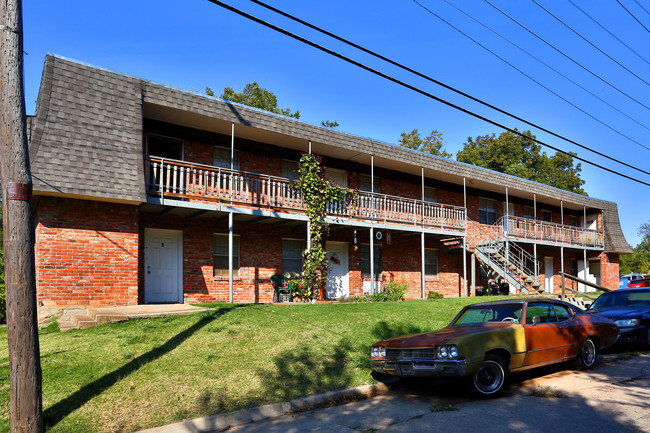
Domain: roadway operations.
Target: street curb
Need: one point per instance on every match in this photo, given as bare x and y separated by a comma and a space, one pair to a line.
245, 416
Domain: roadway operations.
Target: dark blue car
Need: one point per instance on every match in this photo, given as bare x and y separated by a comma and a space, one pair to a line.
630, 310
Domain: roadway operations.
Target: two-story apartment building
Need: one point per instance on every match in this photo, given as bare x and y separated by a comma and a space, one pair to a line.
144, 193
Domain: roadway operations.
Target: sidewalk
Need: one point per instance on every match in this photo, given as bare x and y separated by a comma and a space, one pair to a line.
613, 397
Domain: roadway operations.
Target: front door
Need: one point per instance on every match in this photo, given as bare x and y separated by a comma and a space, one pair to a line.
163, 266
548, 274
337, 279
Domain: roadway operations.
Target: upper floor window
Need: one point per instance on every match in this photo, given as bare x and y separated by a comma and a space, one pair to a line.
290, 169
220, 255
292, 255
222, 158
164, 147
430, 194
529, 212
365, 183
547, 216
573, 220
487, 211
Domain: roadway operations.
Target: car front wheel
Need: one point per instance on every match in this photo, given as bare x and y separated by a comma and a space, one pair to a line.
586, 356
490, 378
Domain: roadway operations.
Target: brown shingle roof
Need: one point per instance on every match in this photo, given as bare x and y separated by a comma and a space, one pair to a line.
86, 139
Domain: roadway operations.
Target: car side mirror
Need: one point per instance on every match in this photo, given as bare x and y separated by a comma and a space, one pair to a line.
536, 320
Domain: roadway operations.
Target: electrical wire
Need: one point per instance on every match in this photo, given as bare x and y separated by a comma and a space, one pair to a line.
545, 64
641, 6
415, 89
610, 33
589, 42
419, 74
568, 57
632, 15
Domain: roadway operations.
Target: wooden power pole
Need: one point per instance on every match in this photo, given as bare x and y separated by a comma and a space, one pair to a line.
20, 277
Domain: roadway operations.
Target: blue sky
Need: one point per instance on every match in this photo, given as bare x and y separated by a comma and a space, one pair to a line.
194, 44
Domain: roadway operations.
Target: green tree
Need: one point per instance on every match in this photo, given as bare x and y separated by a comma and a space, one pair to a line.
520, 156
328, 124
255, 96
430, 144
639, 260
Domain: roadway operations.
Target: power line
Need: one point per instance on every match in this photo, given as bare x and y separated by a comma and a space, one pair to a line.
568, 57
545, 64
392, 62
544, 87
589, 42
632, 15
610, 33
415, 89
641, 6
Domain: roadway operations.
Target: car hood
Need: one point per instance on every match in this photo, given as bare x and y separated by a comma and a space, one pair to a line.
620, 312
442, 336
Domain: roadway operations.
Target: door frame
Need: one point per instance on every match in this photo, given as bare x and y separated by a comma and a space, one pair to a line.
179, 260
346, 277
548, 276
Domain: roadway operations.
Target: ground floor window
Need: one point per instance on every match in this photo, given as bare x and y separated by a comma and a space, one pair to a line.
365, 261
431, 263
220, 255
292, 255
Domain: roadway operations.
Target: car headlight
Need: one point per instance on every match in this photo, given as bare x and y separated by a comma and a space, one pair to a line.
447, 352
378, 352
627, 323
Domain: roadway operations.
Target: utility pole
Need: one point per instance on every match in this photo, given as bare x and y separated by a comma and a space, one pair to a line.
26, 409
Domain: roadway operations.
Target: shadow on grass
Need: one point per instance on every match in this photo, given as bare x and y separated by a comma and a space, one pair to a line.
55, 413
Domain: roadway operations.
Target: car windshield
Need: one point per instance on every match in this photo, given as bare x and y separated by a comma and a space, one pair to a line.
479, 314
622, 299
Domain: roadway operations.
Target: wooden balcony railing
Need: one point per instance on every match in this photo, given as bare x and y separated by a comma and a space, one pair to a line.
202, 183
523, 228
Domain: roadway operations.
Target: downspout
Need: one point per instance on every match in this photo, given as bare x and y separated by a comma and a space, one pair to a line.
465, 239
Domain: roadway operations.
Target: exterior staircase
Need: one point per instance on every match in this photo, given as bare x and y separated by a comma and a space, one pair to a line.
508, 260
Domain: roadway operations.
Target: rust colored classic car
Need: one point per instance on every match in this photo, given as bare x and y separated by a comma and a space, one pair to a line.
487, 341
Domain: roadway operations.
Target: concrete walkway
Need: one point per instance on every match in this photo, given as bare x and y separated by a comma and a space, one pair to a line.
88, 317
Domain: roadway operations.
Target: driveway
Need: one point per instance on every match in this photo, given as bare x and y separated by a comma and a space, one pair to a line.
613, 397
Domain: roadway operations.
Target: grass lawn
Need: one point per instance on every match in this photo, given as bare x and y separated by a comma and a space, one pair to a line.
143, 373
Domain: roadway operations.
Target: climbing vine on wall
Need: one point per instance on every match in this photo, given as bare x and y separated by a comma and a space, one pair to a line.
318, 194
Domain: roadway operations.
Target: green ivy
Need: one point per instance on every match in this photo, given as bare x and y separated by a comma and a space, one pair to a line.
317, 193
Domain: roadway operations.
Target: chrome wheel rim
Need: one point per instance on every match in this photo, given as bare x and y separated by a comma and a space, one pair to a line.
489, 377
588, 353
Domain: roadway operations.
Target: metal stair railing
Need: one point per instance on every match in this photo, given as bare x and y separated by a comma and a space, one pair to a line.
511, 262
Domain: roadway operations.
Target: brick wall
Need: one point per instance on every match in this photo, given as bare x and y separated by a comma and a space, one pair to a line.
86, 253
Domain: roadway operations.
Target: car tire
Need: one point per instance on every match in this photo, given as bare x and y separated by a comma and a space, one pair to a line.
586, 358
490, 378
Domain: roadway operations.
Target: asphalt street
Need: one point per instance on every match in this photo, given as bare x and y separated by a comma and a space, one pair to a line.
613, 397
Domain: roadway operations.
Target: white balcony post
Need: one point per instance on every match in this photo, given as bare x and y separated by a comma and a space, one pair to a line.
562, 220
535, 237
231, 219
465, 239
584, 247
422, 275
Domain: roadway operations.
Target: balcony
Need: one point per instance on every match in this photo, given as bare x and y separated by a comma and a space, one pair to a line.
181, 180
542, 231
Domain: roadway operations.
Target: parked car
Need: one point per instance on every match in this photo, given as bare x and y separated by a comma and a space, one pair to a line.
630, 310
633, 284
487, 341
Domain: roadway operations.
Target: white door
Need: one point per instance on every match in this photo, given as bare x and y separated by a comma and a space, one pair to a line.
163, 266
548, 274
337, 279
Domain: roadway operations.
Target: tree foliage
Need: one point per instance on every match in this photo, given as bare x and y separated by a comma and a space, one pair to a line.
328, 124
255, 96
318, 193
430, 144
639, 260
520, 156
